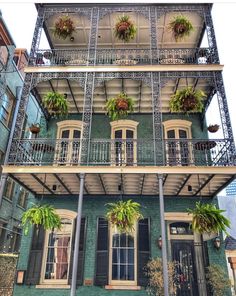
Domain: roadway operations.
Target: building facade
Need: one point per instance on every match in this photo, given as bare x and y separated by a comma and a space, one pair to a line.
161, 159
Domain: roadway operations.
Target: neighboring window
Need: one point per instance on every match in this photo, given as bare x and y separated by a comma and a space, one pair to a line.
68, 135
124, 147
6, 108
15, 239
57, 253
23, 195
177, 147
3, 227
3, 55
123, 255
9, 188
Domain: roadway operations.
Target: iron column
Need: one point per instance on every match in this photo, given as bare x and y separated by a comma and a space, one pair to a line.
77, 237
163, 235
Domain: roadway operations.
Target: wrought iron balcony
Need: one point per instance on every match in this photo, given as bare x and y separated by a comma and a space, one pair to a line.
127, 57
119, 152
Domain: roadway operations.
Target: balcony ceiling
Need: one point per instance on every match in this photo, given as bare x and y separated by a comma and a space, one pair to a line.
106, 38
140, 92
176, 184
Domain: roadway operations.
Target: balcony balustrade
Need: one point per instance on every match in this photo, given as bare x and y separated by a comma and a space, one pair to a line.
124, 57
118, 152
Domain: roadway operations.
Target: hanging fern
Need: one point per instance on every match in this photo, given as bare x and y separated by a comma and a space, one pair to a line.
41, 215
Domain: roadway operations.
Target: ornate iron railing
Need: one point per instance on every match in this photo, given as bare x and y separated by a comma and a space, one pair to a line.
119, 152
121, 56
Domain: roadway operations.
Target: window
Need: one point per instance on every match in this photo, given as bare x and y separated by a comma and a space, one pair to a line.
23, 195
121, 258
3, 227
15, 239
69, 133
178, 150
9, 188
57, 252
6, 108
124, 146
123, 253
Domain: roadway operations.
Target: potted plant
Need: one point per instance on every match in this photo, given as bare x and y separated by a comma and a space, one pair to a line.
207, 218
123, 215
125, 29
56, 103
213, 128
119, 106
64, 27
41, 215
180, 27
217, 279
34, 128
187, 100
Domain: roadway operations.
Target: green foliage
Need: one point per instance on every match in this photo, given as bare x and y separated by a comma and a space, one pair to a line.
207, 218
40, 215
125, 29
56, 104
217, 279
154, 272
64, 27
180, 27
187, 100
113, 109
124, 215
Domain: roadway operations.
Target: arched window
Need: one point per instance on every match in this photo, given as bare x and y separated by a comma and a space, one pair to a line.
124, 146
176, 133
69, 135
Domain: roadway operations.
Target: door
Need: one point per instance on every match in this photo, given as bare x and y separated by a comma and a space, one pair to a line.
177, 150
69, 146
124, 147
186, 277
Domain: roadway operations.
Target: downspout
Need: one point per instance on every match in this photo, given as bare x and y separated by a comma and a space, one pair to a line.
4, 176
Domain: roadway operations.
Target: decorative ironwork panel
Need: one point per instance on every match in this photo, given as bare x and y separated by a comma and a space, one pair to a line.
37, 32
50, 11
93, 36
153, 34
144, 10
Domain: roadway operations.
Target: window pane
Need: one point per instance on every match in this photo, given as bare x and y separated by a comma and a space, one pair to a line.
118, 134
171, 134
76, 134
182, 134
129, 134
65, 134
58, 252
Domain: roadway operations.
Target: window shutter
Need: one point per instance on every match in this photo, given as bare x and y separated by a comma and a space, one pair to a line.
80, 270
102, 258
143, 249
35, 257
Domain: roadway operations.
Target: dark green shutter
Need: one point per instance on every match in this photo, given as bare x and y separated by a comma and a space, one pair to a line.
102, 258
35, 257
80, 270
143, 250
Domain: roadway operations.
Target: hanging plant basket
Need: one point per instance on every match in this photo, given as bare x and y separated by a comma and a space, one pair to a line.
125, 29
44, 215
35, 128
213, 128
187, 100
119, 106
64, 27
207, 219
180, 27
123, 215
56, 104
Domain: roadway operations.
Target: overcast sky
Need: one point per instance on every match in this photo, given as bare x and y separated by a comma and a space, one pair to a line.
20, 17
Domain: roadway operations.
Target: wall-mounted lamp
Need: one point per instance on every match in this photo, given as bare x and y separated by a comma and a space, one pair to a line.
20, 275
159, 242
54, 187
217, 243
190, 189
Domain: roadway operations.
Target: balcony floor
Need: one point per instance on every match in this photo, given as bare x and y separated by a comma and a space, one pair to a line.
183, 181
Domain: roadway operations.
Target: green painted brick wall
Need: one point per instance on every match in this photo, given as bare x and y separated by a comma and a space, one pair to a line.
93, 207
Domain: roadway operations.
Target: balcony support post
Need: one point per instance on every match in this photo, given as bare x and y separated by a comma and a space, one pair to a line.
153, 33
77, 237
163, 236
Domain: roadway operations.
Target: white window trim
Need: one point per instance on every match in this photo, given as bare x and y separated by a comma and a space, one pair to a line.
177, 124
69, 124
119, 282
125, 125
67, 214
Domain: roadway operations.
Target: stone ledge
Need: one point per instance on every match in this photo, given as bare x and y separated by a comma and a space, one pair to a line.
122, 287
